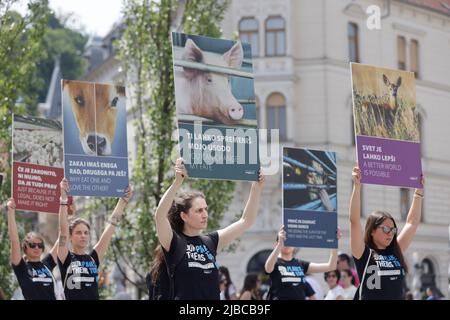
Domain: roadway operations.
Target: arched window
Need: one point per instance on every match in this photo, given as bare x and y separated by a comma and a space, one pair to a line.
276, 114
353, 42
256, 265
275, 36
428, 275
249, 32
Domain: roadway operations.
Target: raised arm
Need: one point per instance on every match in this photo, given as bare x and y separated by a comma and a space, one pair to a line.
13, 234
63, 250
332, 261
356, 232
163, 228
272, 259
236, 229
102, 245
412, 221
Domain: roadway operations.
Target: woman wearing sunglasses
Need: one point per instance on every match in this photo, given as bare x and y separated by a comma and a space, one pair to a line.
378, 252
33, 273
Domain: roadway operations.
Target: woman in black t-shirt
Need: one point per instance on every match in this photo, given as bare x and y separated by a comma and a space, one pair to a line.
33, 273
79, 271
378, 252
179, 222
287, 274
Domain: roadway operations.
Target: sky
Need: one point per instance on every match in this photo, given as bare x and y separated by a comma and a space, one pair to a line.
94, 17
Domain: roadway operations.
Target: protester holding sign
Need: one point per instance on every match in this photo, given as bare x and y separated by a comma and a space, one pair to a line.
33, 273
79, 270
378, 252
287, 274
179, 223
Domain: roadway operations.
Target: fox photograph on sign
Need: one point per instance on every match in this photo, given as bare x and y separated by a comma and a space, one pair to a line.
215, 103
37, 163
309, 193
386, 126
95, 138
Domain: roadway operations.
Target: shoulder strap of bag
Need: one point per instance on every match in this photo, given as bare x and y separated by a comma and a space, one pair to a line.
361, 284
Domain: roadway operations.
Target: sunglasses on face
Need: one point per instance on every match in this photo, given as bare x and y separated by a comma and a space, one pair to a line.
387, 229
39, 245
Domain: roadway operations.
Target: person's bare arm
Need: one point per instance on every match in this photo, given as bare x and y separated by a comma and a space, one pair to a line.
15, 255
63, 238
163, 228
356, 232
412, 221
236, 229
272, 259
102, 245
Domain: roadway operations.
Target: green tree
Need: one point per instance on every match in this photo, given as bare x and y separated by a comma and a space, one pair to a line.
21, 43
146, 54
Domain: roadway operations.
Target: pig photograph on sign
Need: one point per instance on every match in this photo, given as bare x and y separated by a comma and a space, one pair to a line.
215, 104
309, 198
95, 138
37, 163
386, 126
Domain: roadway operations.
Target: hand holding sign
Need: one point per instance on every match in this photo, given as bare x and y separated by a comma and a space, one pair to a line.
180, 170
11, 204
64, 185
356, 176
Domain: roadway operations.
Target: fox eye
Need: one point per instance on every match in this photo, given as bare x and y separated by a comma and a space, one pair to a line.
79, 100
114, 102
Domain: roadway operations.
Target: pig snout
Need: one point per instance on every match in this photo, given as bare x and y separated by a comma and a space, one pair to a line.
236, 112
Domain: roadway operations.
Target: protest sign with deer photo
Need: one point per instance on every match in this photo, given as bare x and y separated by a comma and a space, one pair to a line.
386, 126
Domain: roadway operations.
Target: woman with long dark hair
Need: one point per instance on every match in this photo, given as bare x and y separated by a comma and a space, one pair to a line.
179, 224
378, 251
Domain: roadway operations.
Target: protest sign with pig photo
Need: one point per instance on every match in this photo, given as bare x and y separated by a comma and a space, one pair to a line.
37, 163
95, 138
216, 110
309, 196
386, 126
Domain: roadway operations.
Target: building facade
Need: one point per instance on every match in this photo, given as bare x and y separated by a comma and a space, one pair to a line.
301, 51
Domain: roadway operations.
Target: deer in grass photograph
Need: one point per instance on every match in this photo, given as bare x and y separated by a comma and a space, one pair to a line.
385, 112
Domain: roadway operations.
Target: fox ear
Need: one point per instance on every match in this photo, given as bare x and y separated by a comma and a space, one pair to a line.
386, 80
399, 81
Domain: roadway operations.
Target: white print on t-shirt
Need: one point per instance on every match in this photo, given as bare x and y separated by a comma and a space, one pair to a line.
291, 273
385, 266
199, 253
79, 268
41, 275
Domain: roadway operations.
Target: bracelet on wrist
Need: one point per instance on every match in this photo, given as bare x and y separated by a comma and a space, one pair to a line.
112, 223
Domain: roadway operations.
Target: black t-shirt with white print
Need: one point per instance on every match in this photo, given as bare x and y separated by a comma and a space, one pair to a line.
384, 277
35, 278
288, 280
196, 276
80, 276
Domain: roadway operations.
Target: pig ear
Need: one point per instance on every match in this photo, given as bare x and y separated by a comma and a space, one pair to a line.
234, 56
192, 53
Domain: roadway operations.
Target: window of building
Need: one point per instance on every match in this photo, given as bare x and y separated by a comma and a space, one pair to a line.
249, 32
275, 36
414, 55
353, 42
401, 52
276, 114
